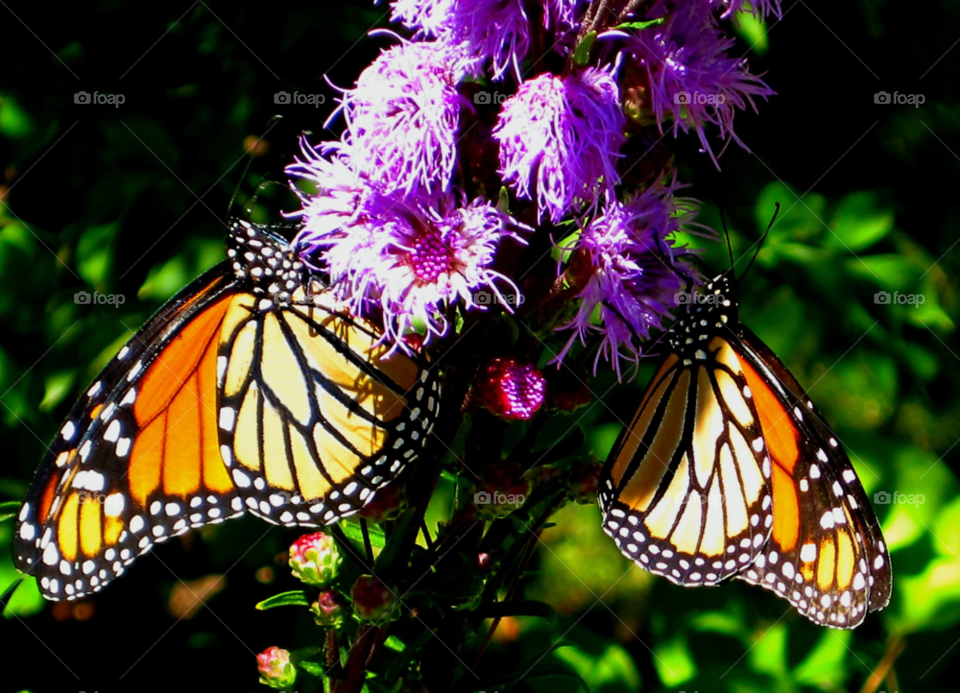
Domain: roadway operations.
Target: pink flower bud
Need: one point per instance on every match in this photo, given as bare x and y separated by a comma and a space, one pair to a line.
276, 669
328, 609
315, 559
511, 389
373, 602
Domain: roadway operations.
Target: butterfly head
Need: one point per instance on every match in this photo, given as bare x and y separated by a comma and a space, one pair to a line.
711, 310
265, 260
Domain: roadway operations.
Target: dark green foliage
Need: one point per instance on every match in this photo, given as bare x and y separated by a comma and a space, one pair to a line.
103, 199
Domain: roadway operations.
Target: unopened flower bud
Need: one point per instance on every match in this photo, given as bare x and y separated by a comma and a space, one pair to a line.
328, 609
276, 669
373, 602
511, 389
315, 559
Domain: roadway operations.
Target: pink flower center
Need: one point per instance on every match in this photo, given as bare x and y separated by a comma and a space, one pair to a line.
429, 257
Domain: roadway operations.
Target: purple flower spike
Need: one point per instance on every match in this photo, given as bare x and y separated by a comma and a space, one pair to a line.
633, 272
494, 31
560, 138
409, 257
692, 80
403, 115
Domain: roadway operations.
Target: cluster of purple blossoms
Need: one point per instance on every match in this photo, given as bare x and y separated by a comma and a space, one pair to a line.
494, 32
692, 80
408, 230
560, 139
629, 272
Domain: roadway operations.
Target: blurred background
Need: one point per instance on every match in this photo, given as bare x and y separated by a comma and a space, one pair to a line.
130, 200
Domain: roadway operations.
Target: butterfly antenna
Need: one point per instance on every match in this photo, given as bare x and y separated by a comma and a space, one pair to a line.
726, 233
236, 190
776, 211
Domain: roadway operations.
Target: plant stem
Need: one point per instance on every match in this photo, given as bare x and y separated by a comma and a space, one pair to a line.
359, 654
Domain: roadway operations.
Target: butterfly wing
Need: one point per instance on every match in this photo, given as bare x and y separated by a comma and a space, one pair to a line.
105, 490
826, 554
685, 491
318, 418
242, 392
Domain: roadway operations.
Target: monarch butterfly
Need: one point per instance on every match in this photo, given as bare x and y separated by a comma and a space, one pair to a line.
728, 470
246, 391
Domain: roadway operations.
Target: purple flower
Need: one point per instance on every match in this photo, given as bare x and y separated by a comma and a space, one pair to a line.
406, 255
560, 139
403, 115
428, 17
692, 80
340, 191
758, 8
632, 274
497, 31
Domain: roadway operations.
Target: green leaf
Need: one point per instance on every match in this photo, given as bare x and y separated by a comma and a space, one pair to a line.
56, 388
674, 662
612, 670
8, 510
302, 657
407, 653
355, 533
581, 55
891, 272
294, 598
21, 595
753, 30
392, 548
859, 222
825, 666
95, 253
520, 607
639, 25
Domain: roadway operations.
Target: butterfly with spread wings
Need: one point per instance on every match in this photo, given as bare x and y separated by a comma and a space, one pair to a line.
728, 470
245, 392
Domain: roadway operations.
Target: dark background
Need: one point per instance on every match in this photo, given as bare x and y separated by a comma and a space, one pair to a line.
133, 200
